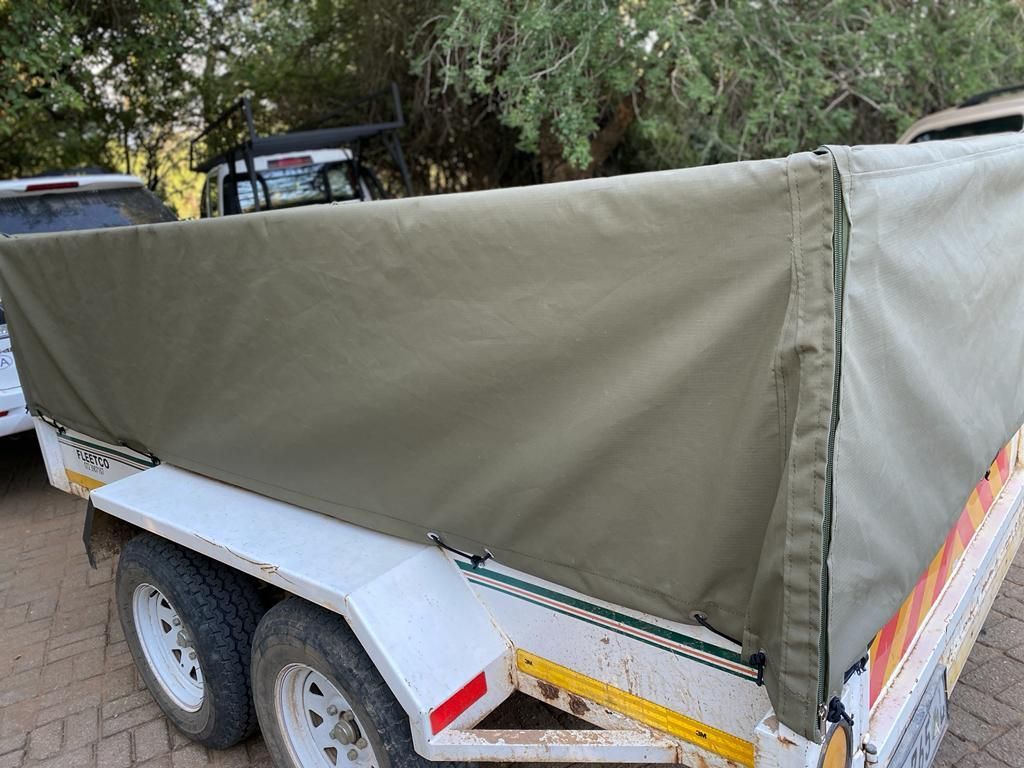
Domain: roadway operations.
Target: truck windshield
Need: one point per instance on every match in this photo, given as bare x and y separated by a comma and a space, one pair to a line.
292, 186
81, 210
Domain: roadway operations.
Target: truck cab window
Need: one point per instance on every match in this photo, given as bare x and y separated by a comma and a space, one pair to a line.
211, 199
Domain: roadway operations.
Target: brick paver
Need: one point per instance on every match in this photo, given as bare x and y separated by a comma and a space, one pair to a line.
70, 696
69, 692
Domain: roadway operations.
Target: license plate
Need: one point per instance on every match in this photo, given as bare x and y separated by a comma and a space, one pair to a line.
921, 740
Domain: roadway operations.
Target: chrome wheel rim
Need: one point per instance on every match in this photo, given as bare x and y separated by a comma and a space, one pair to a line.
318, 723
167, 648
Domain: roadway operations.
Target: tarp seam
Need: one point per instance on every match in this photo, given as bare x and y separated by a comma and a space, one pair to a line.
786, 597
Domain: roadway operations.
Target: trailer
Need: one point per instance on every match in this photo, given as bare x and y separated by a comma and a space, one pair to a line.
518, 462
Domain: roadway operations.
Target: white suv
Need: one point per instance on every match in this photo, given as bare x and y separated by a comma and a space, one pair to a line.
56, 204
13, 416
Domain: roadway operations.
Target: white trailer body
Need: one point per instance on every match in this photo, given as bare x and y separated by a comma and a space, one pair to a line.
453, 639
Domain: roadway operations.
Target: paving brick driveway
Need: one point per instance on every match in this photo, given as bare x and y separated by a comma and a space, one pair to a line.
70, 696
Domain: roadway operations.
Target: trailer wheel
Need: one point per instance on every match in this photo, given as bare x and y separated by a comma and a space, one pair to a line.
189, 622
320, 700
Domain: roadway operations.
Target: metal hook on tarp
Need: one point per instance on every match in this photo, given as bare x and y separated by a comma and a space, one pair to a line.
475, 560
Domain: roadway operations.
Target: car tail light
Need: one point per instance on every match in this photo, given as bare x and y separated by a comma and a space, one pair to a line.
290, 162
51, 185
459, 702
3, 413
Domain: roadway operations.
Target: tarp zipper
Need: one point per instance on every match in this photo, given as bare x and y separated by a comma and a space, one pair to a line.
838, 274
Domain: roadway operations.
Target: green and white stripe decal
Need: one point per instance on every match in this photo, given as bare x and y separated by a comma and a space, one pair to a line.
605, 618
138, 462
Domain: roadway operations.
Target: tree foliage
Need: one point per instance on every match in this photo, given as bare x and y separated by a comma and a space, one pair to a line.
42, 96
709, 81
750, 81
496, 92
301, 61
567, 76
93, 83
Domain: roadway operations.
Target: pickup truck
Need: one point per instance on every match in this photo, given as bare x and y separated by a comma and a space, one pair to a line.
723, 462
323, 163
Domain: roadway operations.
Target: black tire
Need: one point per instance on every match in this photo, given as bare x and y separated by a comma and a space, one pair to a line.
219, 609
297, 632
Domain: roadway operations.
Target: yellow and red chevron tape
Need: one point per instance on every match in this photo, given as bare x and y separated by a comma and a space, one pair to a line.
892, 643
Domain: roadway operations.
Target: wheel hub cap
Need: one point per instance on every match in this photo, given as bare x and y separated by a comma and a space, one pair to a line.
318, 723
344, 732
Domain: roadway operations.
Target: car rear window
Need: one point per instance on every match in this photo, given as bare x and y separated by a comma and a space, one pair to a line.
1006, 124
92, 209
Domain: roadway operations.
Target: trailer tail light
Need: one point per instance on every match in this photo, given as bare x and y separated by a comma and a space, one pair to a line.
51, 185
460, 701
838, 752
290, 162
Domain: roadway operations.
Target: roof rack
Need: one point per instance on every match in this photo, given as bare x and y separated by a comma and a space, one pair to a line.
981, 98
252, 145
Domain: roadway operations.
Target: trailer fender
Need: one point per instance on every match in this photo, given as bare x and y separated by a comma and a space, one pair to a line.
423, 627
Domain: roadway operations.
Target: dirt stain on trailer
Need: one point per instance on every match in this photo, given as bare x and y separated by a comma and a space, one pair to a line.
547, 690
772, 723
577, 705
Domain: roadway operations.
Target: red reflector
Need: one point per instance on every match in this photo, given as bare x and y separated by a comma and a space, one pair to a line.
3, 413
289, 162
460, 701
51, 185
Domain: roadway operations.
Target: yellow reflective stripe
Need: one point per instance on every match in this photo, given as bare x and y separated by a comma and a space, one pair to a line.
647, 712
83, 480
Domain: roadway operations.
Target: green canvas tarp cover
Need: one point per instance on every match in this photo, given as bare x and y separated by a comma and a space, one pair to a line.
633, 387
